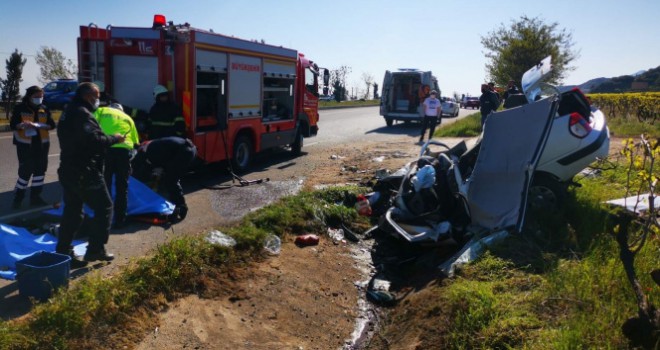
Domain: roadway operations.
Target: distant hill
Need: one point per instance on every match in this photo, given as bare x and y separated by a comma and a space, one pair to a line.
586, 86
648, 80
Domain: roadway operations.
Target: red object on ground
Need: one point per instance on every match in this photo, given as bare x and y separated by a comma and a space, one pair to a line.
308, 239
362, 206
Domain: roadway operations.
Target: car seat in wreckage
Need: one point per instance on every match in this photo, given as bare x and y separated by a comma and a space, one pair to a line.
495, 192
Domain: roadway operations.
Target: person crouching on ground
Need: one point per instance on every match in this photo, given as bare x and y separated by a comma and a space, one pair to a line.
173, 154
83, 146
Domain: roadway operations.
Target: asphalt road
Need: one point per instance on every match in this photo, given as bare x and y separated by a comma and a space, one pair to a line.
341, 125
208, 207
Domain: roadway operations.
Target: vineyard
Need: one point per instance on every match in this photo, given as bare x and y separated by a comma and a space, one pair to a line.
641, 106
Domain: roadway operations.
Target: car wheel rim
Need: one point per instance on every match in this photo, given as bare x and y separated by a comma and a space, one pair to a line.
542, 197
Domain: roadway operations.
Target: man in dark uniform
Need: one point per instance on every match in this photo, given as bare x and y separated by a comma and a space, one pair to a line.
488, 102
165, 116
83, 146
174, 155
512, 89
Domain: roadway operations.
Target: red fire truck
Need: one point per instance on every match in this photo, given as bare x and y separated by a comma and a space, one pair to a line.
239, 97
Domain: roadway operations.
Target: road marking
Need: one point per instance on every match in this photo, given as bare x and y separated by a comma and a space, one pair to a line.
54, 155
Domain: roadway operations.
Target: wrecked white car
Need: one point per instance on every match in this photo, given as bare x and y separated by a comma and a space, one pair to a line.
528, 152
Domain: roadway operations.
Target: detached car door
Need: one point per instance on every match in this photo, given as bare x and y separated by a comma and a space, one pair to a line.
512, 143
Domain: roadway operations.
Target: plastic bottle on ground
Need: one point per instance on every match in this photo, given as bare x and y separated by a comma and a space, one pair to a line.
273, 244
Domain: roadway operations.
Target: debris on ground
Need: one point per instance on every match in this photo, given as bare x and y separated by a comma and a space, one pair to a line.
272, 244
218, 238
307, 240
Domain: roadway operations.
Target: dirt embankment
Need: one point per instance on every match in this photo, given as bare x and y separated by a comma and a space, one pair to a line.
304, 298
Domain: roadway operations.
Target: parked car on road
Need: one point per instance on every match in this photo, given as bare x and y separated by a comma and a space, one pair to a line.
450, 107
470, 102
58, 93
326, 98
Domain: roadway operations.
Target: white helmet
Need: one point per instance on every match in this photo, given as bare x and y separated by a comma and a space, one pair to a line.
159, 89
116, 105
100, 85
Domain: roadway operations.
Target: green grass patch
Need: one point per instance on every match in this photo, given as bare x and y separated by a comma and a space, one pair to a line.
122, 306
632, 127
355, 103
467, 127
580, 295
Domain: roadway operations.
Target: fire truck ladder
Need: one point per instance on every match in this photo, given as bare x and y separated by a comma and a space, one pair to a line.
92, 58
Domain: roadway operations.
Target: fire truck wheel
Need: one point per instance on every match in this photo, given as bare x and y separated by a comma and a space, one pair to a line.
297, 145
242, 154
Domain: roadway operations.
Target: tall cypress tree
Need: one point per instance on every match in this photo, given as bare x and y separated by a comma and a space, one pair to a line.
10, 86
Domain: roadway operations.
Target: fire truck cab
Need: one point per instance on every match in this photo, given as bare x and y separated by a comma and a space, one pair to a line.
238, 97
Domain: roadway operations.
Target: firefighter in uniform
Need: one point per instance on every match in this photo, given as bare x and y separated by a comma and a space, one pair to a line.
83, 146
165, 116
113, 121
31, 122
174, 155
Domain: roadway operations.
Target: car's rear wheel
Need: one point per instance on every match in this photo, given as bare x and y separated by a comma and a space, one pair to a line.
546, 193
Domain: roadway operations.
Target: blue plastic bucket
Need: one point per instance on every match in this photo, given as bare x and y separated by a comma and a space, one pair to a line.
41, 273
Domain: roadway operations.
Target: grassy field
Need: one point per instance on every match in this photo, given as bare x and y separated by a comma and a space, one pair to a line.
559, 285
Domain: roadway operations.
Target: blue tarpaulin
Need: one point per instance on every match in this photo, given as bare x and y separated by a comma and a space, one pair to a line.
17, 243
141, 200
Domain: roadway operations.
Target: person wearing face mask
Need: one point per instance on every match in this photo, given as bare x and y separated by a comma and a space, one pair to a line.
165, 116
83, 146
31, 121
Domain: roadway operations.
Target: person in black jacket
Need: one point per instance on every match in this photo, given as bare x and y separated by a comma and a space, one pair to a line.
511, 89
174, 155
83, 146
165, 116
31, 122
488, 102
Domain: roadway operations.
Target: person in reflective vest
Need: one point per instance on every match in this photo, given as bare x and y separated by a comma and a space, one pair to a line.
31, 121
165, 116
113, 121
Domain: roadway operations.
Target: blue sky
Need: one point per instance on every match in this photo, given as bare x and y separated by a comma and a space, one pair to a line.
613, 37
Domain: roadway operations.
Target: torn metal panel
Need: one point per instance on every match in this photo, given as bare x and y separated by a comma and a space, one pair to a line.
512, 143
471, 251
637, 204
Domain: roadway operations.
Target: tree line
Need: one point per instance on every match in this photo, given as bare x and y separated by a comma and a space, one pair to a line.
52, 65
